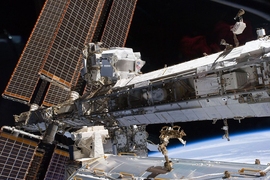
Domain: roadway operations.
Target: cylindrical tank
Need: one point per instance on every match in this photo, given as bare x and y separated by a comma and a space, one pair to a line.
260, 33
74, 95
33, 107
50, 133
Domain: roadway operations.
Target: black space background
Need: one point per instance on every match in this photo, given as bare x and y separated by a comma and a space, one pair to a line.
157, 30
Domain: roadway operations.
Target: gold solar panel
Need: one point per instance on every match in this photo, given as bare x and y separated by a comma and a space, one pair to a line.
55, 95
118, 23
76, 25
34, 168
77, 28
24, 79
16, 155
56, 169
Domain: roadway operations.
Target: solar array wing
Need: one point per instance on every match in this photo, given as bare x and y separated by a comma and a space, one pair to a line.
55, 95
64, 60
56, 169
63, 57
34, 168
118, 23
24, 79
16, 155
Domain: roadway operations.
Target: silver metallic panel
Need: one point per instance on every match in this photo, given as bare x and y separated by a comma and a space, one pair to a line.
178, 116
224, 111
189, 113
213, 113
242, 110
135, 167
201, 112
261, 109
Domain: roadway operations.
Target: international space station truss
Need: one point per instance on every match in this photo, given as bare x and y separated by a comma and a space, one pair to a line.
81, 82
